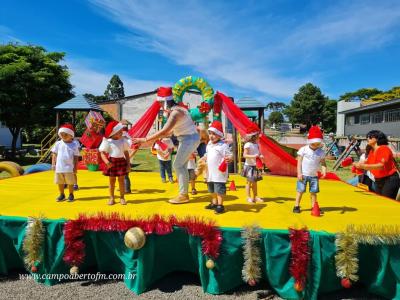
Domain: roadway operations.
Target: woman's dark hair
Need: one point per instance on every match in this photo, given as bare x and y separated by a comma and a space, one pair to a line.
381, 138
368, 149
171, 103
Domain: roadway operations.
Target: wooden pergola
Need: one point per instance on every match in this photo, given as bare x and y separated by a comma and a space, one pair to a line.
254, 109
78, 103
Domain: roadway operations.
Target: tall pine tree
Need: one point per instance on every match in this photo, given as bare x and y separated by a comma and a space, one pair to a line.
307, 106
115, 89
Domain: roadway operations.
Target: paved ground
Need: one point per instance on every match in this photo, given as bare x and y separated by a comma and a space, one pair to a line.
176, 286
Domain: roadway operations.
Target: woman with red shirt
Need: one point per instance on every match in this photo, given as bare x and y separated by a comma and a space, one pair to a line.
382, 165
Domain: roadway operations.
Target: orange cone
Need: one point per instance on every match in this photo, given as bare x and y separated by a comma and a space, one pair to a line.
232, 186
315, 211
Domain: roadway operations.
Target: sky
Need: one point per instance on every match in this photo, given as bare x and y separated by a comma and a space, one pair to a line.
262, 49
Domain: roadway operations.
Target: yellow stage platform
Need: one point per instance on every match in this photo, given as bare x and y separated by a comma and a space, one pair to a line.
342, 204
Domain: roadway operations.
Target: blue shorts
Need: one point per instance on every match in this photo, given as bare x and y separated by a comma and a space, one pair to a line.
313, 182
217, 187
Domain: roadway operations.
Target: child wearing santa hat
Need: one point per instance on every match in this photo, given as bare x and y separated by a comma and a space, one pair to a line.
217, 154
117, 160
250, 170
309, 160
64, 161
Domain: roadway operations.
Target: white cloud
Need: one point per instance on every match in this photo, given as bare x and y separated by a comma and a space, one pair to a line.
248, 48
86, 79
7, 35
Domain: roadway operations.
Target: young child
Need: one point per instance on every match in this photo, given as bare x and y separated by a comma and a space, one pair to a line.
78, 145
132, 152
164, 158
65, 160
250, 171
118, 158
217, 151
309, 160
192, 175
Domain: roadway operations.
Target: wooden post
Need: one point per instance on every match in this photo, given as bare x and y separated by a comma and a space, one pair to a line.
57, 119
73, 117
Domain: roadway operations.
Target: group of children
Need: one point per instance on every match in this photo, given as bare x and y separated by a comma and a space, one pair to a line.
116, 152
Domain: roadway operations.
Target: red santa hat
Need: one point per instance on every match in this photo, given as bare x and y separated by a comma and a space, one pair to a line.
216, 127
112, 128
164, 94
314, 135
252, 129
66, 128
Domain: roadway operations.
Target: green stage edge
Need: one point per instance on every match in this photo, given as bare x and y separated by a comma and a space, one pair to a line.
379, 266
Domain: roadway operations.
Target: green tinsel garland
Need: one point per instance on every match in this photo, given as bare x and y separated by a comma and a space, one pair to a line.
251, 272
33, 241
346, 256
347, 246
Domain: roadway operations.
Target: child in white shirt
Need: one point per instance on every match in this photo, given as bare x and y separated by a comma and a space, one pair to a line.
117, 161
250, 171
164, 159
217, 154
65, 160
309, 160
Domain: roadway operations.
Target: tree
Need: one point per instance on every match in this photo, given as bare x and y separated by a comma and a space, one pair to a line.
361, 94
115, 89
307, 106
96, 99
275, 117
276, 106
329, 115
32, 82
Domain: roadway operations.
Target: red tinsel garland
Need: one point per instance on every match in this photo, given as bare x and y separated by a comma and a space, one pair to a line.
74, 230
300, 256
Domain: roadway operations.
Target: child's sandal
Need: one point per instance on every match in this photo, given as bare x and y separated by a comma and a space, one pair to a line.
251, 200
258, 199
111, 201
122, 201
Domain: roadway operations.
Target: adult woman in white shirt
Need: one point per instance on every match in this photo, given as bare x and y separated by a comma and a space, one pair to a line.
182, 126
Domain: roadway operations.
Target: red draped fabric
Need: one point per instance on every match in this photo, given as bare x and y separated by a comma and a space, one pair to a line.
277, 160
142, 127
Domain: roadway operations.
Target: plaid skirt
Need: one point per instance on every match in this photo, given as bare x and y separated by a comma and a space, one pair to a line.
251, 173
118, 167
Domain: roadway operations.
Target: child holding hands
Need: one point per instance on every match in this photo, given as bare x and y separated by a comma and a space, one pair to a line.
114, 152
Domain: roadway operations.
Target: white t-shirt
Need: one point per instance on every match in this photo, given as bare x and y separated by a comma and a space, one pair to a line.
127, 137
115, 148
253, 150
311, 160
170, 145
65, 156
215, 154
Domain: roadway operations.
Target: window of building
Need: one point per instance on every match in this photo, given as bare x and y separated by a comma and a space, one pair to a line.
357, 119
392, 115
377, 117
349, 120
365, 119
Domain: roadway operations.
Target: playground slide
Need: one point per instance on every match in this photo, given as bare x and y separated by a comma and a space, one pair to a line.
277, 160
